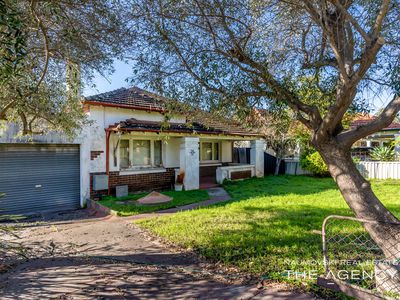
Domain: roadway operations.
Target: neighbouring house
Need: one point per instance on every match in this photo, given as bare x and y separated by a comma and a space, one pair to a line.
133, 140
384, 137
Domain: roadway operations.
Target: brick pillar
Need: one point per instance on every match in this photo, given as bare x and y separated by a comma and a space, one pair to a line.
257, 156
189, 162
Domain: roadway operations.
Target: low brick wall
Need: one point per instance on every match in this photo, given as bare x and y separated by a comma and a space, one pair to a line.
138, 182
240, 175
208, 171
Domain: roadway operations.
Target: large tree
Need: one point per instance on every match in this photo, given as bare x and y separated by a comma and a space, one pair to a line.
238, 53
42, 43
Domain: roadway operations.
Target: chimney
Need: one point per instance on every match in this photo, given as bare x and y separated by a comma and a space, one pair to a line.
73, 79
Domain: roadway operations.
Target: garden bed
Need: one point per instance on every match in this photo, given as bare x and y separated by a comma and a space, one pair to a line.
128, 206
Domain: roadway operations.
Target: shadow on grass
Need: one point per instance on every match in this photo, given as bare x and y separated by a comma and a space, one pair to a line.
270, 226
278, 185
270, 242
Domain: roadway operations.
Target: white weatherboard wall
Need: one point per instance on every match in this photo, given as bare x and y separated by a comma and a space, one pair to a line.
380, 169
171, 149
103, 117
226, 151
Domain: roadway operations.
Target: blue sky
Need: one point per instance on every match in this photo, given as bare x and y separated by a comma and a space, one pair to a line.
112, 82
123, 71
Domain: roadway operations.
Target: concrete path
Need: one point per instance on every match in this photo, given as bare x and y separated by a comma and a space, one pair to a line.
110, 258
217, 194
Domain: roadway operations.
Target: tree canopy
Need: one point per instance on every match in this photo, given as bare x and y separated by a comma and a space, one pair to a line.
39, 39
255, 53
231, 55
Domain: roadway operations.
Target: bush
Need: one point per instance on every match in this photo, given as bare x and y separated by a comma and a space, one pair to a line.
384, 153
314, 163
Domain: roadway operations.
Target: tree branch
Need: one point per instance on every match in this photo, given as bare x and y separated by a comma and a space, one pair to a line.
353, 22
3, 111
381, 16
46, 46
387, 116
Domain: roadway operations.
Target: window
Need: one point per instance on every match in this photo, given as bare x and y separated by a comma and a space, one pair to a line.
141, 153
136, 154
360, 143
375, 144
206, 151
124, 154
157, 153
209, 151
216, 151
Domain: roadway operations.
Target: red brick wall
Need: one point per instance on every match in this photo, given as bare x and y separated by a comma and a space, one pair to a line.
95, 154
208, 171
138, 182
240, 175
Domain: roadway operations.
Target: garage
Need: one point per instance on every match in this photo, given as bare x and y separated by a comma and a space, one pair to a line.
39, 178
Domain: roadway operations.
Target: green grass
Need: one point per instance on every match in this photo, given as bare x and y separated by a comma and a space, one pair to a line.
268, 226
179, 199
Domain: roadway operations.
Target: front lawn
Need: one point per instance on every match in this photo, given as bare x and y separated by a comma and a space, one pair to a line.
270, 225
126, 206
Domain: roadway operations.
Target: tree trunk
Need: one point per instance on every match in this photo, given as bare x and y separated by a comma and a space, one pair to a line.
361, 199
277, 165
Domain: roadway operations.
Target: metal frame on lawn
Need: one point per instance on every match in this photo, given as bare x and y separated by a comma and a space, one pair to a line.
348, 249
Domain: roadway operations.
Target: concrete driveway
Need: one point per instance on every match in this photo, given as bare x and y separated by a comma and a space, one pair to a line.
110, 258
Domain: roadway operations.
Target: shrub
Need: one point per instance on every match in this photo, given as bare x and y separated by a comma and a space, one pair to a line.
384, 153
314, 163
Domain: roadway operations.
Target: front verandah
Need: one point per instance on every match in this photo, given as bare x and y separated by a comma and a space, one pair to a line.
199, 156
213, 163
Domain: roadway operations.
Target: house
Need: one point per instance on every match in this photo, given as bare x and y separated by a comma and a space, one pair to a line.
133, 139
385, 137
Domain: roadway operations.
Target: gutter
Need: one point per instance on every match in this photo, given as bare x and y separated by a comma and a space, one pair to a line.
129, 106
183, 131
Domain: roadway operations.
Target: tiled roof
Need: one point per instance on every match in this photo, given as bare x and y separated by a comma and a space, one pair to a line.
365, 119
139, 125
192, 128
133, 97
136, 98
220, 124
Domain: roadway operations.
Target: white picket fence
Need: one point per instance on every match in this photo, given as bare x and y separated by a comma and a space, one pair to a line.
380, 169
369, 169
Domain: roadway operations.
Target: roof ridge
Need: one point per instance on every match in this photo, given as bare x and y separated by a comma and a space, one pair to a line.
105, 93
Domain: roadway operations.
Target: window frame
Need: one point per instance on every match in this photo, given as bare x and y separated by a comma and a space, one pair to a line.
213, 160
152, 154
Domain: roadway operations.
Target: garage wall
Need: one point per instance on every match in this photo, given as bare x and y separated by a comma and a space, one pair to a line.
40, 177
9, 134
